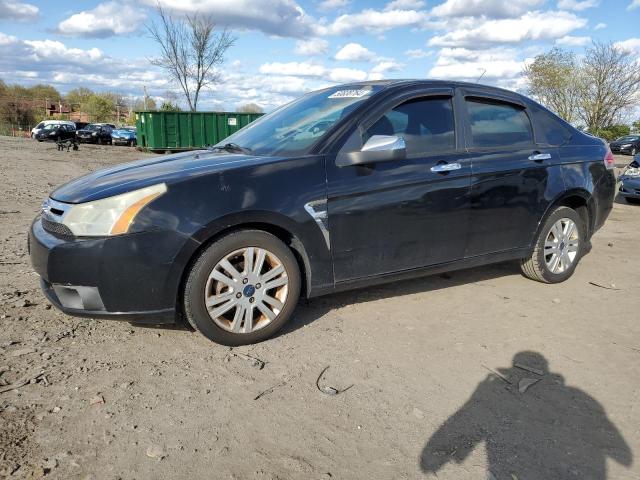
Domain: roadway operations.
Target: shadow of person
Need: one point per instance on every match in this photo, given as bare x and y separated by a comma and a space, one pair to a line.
551, 431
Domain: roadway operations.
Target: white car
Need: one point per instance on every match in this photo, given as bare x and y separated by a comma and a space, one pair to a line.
38, 128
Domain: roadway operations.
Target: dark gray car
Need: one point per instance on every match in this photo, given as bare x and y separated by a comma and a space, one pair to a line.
630, 181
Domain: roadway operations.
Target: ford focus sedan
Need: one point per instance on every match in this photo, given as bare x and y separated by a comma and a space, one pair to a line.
344, 188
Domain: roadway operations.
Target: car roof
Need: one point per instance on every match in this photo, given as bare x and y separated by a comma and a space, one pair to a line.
429, 83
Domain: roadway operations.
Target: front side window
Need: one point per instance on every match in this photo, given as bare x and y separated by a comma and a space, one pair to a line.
496, 124
426, 124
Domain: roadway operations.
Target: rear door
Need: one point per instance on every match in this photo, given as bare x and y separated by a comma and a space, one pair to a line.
512, 174
401, 214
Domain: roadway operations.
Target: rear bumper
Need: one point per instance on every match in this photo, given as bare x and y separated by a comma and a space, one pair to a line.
129, 277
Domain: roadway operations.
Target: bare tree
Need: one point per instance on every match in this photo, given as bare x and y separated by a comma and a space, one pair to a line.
190, 51
609, 86
553, 81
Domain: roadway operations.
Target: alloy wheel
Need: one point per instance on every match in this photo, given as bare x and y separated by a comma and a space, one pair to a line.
561, 245
246, 290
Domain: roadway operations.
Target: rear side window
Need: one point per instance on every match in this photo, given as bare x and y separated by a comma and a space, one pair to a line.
496, 124
426, 124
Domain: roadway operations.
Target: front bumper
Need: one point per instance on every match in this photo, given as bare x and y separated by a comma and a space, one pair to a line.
122, 141
622, 150
129, 277
87, 139
630, 187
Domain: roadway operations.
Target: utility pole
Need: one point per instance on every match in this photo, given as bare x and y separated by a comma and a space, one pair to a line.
144, 99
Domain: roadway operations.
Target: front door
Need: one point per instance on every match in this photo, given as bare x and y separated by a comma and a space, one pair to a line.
401, 214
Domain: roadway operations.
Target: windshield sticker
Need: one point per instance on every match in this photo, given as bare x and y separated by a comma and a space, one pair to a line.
349, 93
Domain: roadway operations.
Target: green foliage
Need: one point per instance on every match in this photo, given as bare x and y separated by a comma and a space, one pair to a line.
612, 132
169, 107
636, 126
44, 92
78, 96
552, 81
100, 108
139, 105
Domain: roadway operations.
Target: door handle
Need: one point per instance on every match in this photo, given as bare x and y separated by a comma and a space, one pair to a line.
446, 167
538, 157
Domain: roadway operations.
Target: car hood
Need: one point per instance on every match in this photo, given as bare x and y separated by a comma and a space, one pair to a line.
150, 171
123, 133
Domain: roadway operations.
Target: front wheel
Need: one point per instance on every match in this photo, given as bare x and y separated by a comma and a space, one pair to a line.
558, 248
242, 289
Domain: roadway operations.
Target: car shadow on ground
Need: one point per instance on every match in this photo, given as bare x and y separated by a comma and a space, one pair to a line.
550, 430
311, 310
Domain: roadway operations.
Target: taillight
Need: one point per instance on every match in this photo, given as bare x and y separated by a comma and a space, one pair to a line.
609, 160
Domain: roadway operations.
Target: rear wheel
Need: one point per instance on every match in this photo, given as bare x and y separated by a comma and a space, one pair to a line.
558, 248
242, 289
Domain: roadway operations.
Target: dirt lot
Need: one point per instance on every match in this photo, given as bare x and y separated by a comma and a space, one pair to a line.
434, 395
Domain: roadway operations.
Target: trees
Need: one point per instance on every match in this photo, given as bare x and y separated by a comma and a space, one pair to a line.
553, 82
610, 85
100, 108
250, 108
598, 91
190, 51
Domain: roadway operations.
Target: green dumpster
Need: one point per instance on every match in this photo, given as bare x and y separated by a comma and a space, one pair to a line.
174, 131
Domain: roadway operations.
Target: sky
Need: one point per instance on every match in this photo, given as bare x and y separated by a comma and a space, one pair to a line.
285, 48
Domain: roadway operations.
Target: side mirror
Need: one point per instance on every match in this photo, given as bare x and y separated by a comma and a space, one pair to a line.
379, 148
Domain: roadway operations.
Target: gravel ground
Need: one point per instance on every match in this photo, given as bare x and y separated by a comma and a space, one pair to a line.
435, 390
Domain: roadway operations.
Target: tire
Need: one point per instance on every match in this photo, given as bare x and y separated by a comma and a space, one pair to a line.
230, 327
632, 201
539, 265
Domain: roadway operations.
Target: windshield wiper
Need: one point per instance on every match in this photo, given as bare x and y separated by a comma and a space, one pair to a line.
232, 148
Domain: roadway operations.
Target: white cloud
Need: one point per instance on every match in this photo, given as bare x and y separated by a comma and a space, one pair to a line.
311, 47
600, 26
344, 75
493, 65
7, 39
375, 21
52, 49
354, 52
329, 5
282, 18
417, 53
106, 20
577, 4
530, 26
405, 5
386, 66
19, 11
634, 4
301, 69
631, 45
486, 8
571, 41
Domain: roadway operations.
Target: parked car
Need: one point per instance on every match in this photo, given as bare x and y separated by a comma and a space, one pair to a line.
95, 133
57, 132
38, 128
344, 188
629, 145
124, 136
630, 181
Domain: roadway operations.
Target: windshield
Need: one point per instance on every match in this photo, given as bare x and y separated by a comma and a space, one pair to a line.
51, 126
292, 129
628, 138
92, 127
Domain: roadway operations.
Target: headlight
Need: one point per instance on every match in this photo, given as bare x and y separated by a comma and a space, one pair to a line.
110, 216
632, 172
94, 133
626, 145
